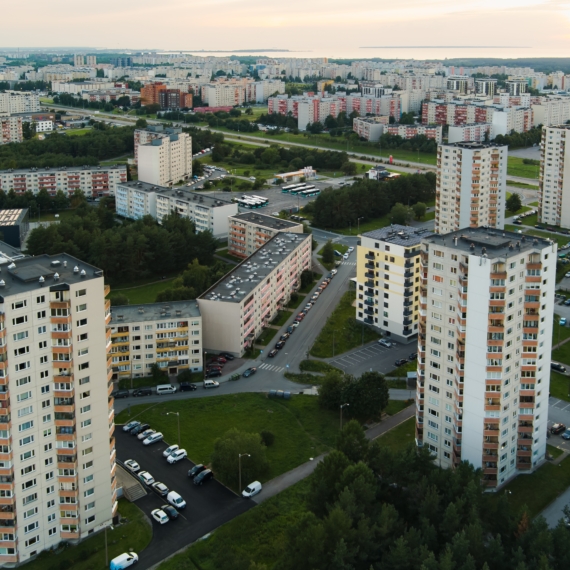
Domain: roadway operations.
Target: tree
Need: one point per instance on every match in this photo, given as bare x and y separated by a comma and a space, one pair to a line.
349, 168
514, 202
367, 396
306, 278
419, 209
28, 130
158, 375
330, 390
225, 458
328, 252
141, 124
407, 118
352, 442
119, 299
401, 214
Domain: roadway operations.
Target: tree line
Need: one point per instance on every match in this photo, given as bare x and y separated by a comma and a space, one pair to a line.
518, 140
419, 143
126, 251
25, 86
369, 199
72, 101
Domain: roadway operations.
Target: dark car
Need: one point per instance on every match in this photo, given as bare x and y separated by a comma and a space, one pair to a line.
400, 361
249, 372
146, 391
558, 367
139, 429
204, 476
557, 428
213, 367
413, 356
290, 330
517, 222
272, 353
567, 302
195, 470
187, 387
160, 489
219, 359
226, 355
215, 363
280, 345
120, 394
213, 374
284, 336
170, 511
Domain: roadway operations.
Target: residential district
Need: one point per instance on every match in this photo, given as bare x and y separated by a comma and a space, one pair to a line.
462, 288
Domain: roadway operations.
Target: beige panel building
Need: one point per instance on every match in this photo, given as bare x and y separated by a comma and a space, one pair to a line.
57, 450
169, 334
239, 306
249, 231
487, 301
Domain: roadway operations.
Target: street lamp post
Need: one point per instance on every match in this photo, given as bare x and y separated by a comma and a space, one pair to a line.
359, 224
240, 455
177, 414
341, 407
106, 548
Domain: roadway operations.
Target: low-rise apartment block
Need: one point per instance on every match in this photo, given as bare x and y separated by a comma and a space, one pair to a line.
78, 87
388, 280
93, 181
11, 130
432, 132
136, 199
56, 412
19, 102
485, 336
169, 334
238, 307
370, 128
250, 230
474, 132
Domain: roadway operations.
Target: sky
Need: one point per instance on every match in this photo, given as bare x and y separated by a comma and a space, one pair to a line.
333, 28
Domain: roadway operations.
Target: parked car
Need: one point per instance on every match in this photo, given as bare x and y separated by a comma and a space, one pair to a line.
220, 359
272, 353
203, 477
212, 367
146, 478
345, 256
227, 355
249, 372
177, 455
195, 470
557, 428
139, 429
279, 345
169, 450
251, 490
400, 362
566, 434
176, 500
120, 394
214, 374
334, 272
131, 425
413, 356
153, 438
160, 488
383, 342
284, 336
290, 330
144, 434
562, 322
159, 516
170, 511
558, 367
294, 324
187, 387
146, 391
567, 302
132, 465
300, 317
124, 561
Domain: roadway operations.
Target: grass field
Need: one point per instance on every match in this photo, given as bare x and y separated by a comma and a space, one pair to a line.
134, 534
341, 331
224, 253
516, 167
266, 337
51, 216
395, 406
523, 186
281, 318
296, 304
339, 247
374, 224
143, 293
302, 430
401, 436
77, 132
316, 366
559, 386
402, 371
554, 451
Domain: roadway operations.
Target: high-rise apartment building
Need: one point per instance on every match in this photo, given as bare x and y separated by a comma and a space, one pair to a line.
486, 86
516, 86
471, 186
11, 130
554, 179
57, 464
150, 93
19, 102
484, 347
91, 60
78, 61
388, 280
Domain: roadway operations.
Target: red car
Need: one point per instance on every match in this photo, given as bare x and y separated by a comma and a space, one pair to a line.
221, 359
300, 317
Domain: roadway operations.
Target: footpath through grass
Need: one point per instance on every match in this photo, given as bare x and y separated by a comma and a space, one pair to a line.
342, 331
301, 428
134, 534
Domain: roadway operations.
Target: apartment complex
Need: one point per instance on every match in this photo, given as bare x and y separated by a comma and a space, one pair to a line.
370, 128
169, 334
388, 280
554, 178
250, 230
58, 451
136, 199
473, 132
166, 159
150, 93
487, 302
486, 86
93, 181
78, 87
470, 186
432, 132
238, 307
237, 91
11, 130
19, 102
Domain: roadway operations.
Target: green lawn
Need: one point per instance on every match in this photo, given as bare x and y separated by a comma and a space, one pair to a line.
316, 366
51, 216
523, 186
77, 132
537, 490
401, 436
281, 318
224, 253
266, 336
529, 220
338, 247
342, 330
402, 371
292, 304
304, 378
134, 534
395, 406
554, 451
396, 384
144, 293
301, 428
559, 386
429, 216
516, 167
368, 226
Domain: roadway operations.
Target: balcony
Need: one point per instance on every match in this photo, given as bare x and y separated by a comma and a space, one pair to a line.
369, 256
369, 274
369, 265
368, 320
369, 283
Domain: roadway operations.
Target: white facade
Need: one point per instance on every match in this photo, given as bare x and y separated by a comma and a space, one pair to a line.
44, 126
551, 111
19, 102
487, 301
475, 132
77, 87
470, 186
166, 160
370, 128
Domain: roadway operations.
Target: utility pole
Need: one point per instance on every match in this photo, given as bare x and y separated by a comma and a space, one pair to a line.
341, 407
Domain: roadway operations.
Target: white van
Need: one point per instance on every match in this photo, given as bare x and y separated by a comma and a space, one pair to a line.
176, 500
124, 561
211, 384
252, 489
165, 389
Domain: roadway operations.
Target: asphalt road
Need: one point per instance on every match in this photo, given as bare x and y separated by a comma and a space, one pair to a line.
208, 506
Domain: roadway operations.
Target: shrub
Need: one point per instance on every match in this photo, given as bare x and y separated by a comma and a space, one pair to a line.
268, 437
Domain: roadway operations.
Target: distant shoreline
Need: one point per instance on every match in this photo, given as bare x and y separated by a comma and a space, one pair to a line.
445, 47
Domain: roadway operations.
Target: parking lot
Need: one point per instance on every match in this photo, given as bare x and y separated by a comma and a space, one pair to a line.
208, 506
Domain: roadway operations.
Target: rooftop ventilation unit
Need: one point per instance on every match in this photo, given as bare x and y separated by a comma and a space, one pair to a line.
76, 269
56, 276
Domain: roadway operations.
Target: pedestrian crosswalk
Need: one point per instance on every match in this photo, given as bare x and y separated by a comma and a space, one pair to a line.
271, 367
349, 262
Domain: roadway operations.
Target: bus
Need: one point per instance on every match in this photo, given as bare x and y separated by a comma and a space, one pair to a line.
310, 192
298, 190
249, 204
286, 189
264, 201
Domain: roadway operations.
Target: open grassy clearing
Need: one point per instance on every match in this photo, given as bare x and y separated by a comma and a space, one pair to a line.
401, 436
554, 451
395, 406
516, 167
51, 216
523, 186
144, 293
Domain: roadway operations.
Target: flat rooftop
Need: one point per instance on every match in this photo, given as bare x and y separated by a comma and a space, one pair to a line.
177, 192
44, 271
12, 217
494, 243
242, 280
399, 235
474, 145
55, 170
265, 221
124, 314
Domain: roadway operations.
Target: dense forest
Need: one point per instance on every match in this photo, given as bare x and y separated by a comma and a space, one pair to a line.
368, 199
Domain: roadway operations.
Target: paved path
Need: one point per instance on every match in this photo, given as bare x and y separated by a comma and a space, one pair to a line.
391, 422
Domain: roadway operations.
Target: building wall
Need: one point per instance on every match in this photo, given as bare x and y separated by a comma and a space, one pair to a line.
19, 102
11, 130
165, 160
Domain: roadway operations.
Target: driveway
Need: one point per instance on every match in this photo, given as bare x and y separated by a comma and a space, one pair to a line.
208, 506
